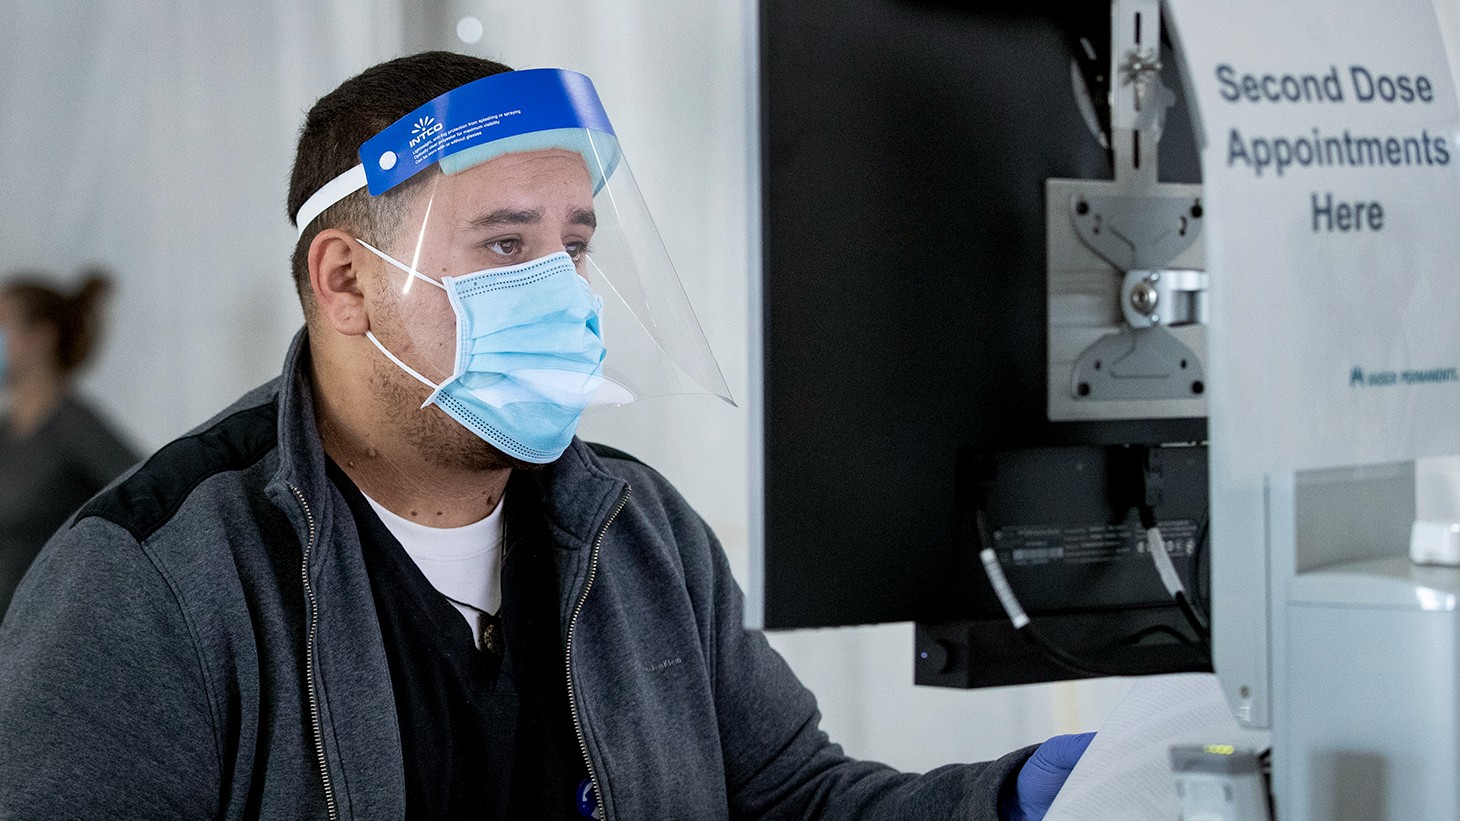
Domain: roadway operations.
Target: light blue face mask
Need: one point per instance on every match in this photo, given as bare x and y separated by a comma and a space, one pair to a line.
529, 354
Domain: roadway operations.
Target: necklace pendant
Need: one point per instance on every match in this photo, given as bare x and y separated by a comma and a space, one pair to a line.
492, 637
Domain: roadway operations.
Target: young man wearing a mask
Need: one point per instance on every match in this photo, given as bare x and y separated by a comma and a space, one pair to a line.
391, 583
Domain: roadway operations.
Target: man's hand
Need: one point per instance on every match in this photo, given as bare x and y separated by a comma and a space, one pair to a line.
1041, 777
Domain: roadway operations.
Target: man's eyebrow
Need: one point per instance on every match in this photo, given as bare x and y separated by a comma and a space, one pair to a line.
508, 216
583, 216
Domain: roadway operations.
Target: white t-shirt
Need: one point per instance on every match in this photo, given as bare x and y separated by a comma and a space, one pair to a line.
462, 563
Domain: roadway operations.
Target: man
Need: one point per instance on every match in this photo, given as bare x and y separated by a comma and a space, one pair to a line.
391, 583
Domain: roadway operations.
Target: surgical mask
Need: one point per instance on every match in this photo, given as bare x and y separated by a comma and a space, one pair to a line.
529, 355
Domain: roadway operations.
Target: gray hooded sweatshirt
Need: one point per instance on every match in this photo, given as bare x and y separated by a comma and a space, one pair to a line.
201, 642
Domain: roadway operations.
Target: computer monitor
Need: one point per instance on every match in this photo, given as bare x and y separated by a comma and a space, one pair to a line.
904, 386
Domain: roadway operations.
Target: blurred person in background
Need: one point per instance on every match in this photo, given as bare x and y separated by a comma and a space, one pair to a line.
55, 450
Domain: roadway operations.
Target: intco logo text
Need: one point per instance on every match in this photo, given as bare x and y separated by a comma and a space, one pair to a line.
424, 127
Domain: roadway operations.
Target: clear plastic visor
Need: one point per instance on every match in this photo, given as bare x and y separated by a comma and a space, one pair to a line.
571, 194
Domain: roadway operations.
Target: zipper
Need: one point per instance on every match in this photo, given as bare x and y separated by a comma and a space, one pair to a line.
329, 790
568, 653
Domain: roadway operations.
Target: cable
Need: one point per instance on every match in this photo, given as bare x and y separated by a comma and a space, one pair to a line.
1022, 623
1167, 571
1165, 629
1152, 482
1200, 595
1020, 620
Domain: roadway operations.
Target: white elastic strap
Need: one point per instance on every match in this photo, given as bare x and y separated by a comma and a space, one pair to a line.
1005, 593
1157, 546
333, 191
401, 265
407, 368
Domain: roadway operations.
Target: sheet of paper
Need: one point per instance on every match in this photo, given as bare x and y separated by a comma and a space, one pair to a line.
1125, 775
1331, 176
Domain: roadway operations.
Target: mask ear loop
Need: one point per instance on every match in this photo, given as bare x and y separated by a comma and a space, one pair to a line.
370, 335
435, 389
401, 265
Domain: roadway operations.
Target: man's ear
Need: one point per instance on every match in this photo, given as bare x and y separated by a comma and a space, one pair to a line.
336, 272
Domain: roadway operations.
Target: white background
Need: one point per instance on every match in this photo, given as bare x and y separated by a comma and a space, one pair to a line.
156, 138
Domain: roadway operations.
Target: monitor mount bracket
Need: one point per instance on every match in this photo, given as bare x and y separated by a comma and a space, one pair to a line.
1139, 226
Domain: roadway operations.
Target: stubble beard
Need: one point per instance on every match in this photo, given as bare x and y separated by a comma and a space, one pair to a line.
433, 436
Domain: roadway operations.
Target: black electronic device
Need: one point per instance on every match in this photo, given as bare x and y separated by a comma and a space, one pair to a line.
904, 348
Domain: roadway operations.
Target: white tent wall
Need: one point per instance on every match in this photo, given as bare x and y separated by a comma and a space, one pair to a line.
155, 138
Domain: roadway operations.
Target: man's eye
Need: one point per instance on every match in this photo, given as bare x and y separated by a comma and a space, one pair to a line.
576, 250
505, 247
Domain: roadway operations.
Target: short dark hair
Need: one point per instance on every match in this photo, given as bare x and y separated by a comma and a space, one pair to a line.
334, 129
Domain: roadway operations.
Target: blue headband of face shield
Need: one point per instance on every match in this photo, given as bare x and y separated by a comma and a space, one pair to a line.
505, 113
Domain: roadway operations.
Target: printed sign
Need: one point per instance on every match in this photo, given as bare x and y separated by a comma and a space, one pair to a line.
1330, 172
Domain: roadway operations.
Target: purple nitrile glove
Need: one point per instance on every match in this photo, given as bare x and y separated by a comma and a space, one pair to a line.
1041, 777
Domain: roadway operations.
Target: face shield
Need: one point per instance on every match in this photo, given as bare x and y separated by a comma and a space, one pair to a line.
528, 281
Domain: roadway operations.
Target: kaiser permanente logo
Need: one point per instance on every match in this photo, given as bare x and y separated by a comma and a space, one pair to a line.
424, 127
1358, 378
